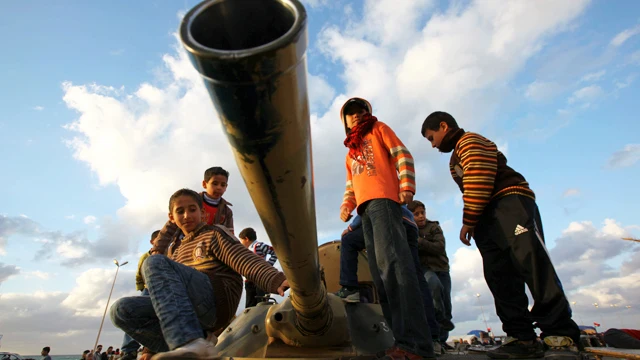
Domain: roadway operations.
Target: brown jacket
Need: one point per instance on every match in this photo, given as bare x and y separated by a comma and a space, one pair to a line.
432, 247
217, 253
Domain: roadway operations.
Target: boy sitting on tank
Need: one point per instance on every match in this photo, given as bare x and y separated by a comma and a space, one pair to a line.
194, 282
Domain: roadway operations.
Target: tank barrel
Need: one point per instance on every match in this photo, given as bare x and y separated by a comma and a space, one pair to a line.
252, 57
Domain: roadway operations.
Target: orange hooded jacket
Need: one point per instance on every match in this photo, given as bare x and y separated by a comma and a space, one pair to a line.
388, 167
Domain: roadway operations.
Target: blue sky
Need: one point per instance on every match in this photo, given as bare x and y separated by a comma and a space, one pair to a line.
555, 86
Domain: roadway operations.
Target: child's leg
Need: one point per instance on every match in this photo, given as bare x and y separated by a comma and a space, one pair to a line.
182, 298
504, 281
445, 280
136, 317
352, 242
551, 308
437, 293
383, 228
427, 298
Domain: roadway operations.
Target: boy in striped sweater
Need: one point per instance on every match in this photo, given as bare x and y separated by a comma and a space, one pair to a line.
248, 238
380, 177
501, 214
194, 282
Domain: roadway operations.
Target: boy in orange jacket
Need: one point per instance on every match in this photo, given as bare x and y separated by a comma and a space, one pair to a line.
380, 178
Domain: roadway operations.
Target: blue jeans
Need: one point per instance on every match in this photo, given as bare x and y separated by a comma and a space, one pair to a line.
440, 286
393, 269
180, 306
353, 242
128, 344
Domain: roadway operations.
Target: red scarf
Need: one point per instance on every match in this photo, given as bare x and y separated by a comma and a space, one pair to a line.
356, 136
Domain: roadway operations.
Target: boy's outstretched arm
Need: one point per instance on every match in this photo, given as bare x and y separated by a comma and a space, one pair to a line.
404, 163
349, 197
256, 269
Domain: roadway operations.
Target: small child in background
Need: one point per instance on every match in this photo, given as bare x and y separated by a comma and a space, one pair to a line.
129, 345
248, 238
217, 209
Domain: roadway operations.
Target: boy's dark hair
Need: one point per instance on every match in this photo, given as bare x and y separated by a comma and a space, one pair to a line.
155, 234
432, 122
86, 352
216, 170
248, 233
46, 348
185, 192
415, 204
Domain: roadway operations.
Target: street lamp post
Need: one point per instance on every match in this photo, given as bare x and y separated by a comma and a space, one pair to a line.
482, 310
579, 319
597, 307
108, 299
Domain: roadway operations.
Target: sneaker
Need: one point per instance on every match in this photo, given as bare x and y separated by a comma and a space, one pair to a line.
512, 348
561, 348
395, 353
350, 296
133, 355
447, 325
437, 348
447, 347
194, 350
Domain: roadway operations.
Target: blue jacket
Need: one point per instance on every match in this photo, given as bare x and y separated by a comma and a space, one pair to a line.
407, 217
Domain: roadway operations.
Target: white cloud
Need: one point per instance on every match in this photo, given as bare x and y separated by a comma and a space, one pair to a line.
69, 321
626, 82
623, 36
89, 219
7, 271
541, 90
37, 274
71, 249
316, 3
595, 76
626, 157
586, 94
571, 192
38, 108
117, 52
320, 92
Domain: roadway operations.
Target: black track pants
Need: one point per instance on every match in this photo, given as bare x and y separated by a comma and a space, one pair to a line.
510, 238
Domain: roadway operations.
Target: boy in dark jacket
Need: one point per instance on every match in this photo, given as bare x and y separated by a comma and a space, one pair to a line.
501, 214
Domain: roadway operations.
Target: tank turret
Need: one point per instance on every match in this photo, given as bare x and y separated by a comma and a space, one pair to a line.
252, 57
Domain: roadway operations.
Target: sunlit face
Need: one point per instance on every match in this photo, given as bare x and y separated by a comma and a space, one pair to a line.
354, 116
420, 216
245, 241
435, 137
216, 186
186, 213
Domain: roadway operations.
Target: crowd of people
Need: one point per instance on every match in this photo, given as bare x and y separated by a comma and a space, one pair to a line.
191, 278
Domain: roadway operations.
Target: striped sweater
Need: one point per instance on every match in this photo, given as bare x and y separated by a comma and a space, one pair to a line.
214, 251
482, 174
387, 171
